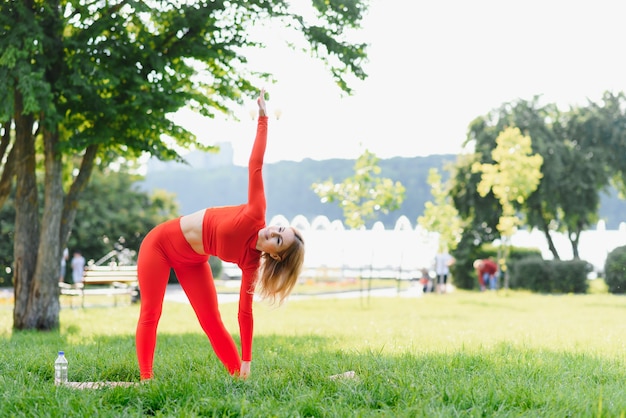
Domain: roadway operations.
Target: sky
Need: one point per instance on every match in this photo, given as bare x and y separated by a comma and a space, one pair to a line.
433, 67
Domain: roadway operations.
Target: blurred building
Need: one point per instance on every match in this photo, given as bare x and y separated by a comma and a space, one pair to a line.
403, 251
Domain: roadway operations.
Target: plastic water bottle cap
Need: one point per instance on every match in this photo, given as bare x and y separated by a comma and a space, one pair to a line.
61, 353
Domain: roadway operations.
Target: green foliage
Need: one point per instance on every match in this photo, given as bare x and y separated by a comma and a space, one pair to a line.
615, 270
114, 215
574, 146
521, 253
363, 195
111, 75
513, 176
462, 270
550, 276
96, 83
480, 214
441, 216
604, 128
24, 43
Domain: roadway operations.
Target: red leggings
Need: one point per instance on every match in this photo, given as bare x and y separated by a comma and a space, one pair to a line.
163, 248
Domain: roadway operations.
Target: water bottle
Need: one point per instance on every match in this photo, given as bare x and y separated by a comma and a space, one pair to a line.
60, 369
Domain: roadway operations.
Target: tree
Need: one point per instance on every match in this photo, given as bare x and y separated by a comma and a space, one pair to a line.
574, 170
480, 214
594, 140
513, 176
98, 80
363, 195
441, 216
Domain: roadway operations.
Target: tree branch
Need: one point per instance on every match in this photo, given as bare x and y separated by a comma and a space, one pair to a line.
8, 171
70, 205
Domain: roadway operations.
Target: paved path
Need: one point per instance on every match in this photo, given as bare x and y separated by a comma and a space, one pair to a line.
175, 293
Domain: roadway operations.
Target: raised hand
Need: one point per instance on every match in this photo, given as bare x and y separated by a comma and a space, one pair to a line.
261, 102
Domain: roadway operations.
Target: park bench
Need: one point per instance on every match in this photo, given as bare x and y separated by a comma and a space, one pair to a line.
114, 281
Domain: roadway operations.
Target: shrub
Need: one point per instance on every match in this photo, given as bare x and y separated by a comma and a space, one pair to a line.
532, 274
550, 276
615, 270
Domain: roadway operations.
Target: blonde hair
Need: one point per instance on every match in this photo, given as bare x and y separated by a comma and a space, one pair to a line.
276, 279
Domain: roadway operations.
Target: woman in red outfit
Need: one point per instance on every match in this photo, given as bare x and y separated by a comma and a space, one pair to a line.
270, 258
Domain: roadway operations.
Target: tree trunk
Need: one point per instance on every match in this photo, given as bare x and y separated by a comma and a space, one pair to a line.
37, 272
49, 256
8, 170
506, 251
26, 241
574, 239
72, 199
551, 246
37, 295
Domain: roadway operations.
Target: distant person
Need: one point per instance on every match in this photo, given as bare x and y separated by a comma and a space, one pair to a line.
425, 281
487, 271
78, 267
64, 258
443, 261
270, 258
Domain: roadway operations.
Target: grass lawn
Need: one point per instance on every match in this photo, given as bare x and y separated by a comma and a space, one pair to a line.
470, 354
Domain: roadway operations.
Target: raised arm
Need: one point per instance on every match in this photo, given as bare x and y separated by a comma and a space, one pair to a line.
256, 191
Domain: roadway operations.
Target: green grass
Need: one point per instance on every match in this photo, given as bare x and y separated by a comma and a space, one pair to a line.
467, 354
